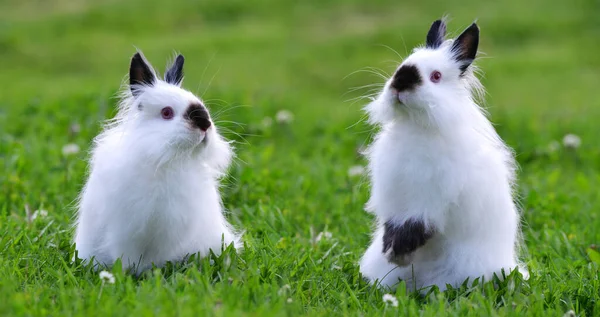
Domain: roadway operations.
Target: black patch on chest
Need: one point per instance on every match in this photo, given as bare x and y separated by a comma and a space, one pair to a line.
406, 78
405, 238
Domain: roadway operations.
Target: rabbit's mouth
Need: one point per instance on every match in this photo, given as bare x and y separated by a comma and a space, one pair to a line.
394, 96
400, 98
203, 138
200, 139
192, 140
197, 136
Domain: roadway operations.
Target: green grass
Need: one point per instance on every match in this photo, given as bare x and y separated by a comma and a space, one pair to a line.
63, 61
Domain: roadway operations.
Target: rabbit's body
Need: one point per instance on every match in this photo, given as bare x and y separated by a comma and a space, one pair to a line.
168, 216
441, 183
457, 185
150, 200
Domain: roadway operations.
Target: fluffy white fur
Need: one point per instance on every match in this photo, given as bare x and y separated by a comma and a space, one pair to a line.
152, 194
438, 158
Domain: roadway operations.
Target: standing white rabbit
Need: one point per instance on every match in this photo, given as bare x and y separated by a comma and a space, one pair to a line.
152, 194
441, 177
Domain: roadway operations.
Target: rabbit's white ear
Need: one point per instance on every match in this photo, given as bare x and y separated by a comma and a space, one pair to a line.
436, 34
174, 74
464, 47
140, 73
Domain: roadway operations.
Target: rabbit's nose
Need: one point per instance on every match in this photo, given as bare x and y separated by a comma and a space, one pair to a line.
198, 116
406, 78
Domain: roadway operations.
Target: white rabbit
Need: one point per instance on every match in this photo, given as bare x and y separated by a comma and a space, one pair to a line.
152, 194
441, 177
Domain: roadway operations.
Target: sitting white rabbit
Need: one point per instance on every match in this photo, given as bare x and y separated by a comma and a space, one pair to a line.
152, 194
441, 177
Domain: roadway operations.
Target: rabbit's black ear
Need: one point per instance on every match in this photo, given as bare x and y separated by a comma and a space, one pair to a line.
140, 73
174, 74
436, 34
464, 47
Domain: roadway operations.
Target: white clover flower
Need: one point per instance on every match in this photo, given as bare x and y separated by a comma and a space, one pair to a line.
289, 300
553, 146
571, 141
323, 235
266, 122
390, 299
284, 116
362, 149
107, 277
70, 149
284, 289
75, 128
356, 170
570, 313
39, 213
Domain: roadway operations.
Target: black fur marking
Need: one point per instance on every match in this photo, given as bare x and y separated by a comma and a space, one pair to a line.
406, 78
436, 34
465, 46
198, 116
140, 73
405, 238
174, 74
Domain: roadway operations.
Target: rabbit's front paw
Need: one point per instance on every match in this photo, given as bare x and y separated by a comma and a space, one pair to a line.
401, 241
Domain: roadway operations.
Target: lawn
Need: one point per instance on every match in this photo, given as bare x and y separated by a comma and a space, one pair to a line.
62, 63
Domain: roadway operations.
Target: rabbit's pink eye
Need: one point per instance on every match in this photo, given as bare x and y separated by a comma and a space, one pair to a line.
436, 76
167, 113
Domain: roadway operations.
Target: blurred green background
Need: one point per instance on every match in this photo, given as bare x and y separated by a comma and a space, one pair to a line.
62, 63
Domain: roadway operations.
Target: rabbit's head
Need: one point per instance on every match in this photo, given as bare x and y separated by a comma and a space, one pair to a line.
167, 121
433, 82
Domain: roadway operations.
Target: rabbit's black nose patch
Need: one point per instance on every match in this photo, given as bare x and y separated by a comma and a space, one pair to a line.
198, 116
406, 78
